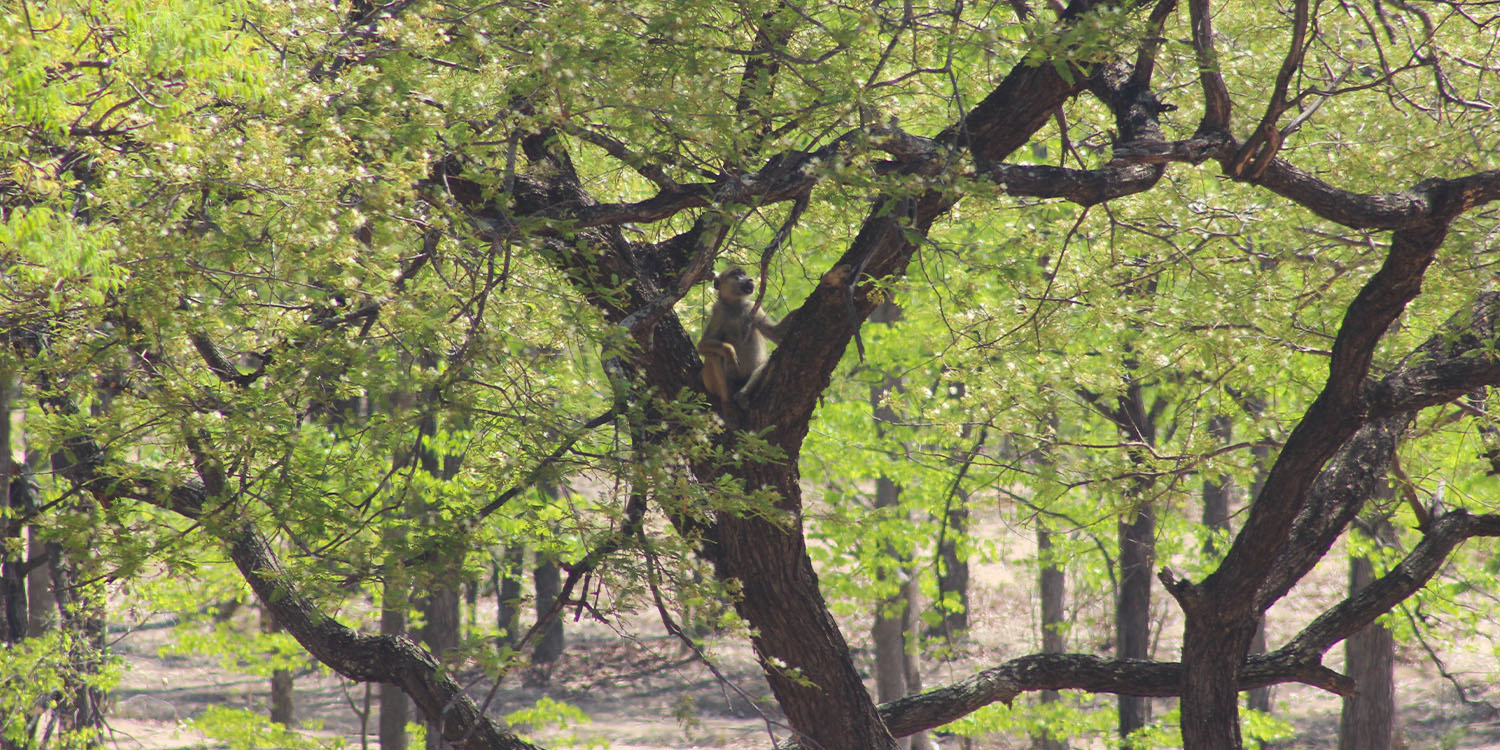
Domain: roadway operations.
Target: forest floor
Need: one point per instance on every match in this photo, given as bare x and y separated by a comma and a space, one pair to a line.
644, 692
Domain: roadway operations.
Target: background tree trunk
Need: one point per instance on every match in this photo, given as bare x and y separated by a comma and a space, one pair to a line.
889, 629
1133, 609
953, 572
13, 608
1053, 589
508, 594
395, 707
547, 577
1368, 719
42, 613
283, 706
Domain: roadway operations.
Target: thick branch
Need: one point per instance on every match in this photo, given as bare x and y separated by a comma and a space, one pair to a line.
1459, 359
1331, 419
1298, 661
1404, 209
1455, 361
1086, 187
1411, 574
1216, 105
1001, 684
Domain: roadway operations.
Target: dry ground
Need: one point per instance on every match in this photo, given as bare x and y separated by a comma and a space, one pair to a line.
644, 693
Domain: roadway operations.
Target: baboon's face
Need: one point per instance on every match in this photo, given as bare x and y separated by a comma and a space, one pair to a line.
735, 284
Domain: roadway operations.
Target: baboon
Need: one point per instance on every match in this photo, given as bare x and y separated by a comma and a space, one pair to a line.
733, 345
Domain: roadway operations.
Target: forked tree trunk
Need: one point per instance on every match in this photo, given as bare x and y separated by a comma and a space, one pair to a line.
1217, 495
1213, 647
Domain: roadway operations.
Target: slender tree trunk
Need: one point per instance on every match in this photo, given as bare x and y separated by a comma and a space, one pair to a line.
508, 594
1368, 720
441, 635
547, 577
889, 629
42, 613
912, 622
395, 708
440, 604
82, 705
953, 571
1053, 588
283, 706
1133, 609
898, 671
13, 608
1137, 536
1218, 492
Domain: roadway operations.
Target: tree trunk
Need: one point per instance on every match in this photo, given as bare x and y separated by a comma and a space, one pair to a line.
441, 634
912, 620
1213, 648
1053, 589
889, 629
804, 656
1217, 495
1368, 720
394, 705
508, 594
547, 577
953, 571
1133, 609
898, 670
13, 607
283, 707
41, 601
82, 705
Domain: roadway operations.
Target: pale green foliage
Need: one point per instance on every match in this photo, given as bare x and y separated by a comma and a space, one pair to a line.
34, 672
173, 170
242, 729
558, 720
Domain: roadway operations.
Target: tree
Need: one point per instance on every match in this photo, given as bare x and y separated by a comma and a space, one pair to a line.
225, 219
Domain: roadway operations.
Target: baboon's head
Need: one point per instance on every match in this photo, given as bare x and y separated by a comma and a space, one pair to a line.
734, 284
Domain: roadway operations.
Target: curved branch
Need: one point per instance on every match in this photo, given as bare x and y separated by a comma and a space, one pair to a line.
1461, 357
1409, 575
1001, 684
1216, 105
1086, 187
364, 658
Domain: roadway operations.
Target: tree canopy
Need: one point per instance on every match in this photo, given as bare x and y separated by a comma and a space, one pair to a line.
335, 288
